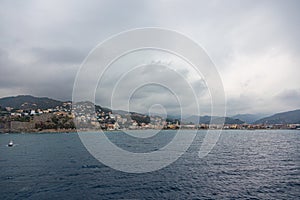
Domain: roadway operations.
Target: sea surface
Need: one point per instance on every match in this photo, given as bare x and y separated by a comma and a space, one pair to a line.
261, 164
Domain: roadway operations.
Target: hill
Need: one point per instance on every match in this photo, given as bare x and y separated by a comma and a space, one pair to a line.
214, 120
226, 120
248, 118
290, 117
29, 102
198, 119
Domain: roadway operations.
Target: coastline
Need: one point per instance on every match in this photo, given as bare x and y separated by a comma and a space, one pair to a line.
93, 130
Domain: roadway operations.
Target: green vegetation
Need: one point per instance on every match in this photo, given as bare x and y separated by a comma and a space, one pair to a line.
21, 119
140, 118
56, 122
29, 102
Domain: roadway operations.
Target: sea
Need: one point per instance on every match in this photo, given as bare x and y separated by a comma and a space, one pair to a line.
244, 164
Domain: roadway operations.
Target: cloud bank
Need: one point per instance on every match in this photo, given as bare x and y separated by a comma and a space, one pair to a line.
254, 44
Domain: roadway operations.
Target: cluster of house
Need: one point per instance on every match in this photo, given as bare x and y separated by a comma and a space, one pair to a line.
242, 126
86, 115
65, 108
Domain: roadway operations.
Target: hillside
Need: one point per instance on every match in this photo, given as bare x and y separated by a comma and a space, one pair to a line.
25, 102
198, 119
29, 102
248, 118
290, 117
226, 120
215, 120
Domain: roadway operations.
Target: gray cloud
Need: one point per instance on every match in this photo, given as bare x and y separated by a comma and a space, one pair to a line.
61, 55
289, 98
254, 44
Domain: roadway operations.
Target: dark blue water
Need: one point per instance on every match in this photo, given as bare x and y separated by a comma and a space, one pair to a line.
243, 165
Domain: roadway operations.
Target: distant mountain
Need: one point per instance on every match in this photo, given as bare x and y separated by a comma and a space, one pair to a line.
173, 117
290, 117
198, 119
214, 120
120, 112
29, 102
206, 119
226, 120
248, 118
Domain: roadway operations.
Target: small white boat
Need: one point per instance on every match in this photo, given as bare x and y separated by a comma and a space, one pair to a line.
11, 143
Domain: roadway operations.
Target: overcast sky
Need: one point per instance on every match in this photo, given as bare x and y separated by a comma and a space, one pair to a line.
255, 45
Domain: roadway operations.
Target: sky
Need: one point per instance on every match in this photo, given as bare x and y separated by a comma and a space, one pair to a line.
254, 45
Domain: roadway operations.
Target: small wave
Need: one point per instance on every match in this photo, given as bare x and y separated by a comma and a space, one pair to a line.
90, 166
73, 174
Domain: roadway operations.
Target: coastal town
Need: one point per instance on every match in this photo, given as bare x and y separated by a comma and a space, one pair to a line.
85, 116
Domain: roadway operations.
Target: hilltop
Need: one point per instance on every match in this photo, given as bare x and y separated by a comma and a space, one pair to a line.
248, 118
212, 119
27, 102
290, 117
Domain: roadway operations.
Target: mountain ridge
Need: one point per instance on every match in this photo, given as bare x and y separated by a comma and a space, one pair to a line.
288, 117
31, 102
212, 119
249, 118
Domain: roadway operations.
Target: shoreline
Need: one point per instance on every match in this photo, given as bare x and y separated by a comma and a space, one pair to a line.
93, 130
